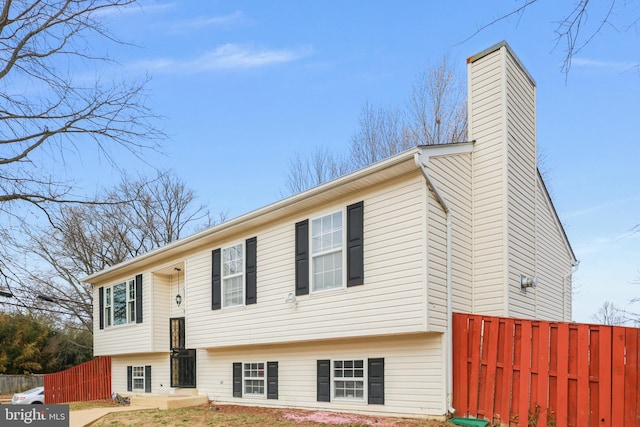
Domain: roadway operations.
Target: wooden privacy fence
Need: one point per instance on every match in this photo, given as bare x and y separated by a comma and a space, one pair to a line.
516, 372
87, 381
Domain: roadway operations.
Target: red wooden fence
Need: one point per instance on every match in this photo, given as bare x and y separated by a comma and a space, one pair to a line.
516, 372
87, 381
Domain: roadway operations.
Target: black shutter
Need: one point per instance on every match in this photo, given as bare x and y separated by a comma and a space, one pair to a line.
324, 381
129, 378
251, 283
139, 298
237, 380
216, 277
355, 237
272, 380
302, 257
101, 302
376, 381
147, 379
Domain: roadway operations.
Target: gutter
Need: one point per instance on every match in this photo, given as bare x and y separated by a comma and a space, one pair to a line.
574, 268
449, 331
277, 209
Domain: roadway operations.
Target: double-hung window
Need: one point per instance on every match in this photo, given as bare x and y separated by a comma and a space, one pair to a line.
120, 303
233, 276
351, 379
107, 306
253, 379
348, 379
327, 252
138, 378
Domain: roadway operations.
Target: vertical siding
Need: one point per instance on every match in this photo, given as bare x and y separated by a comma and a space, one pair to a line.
160, 369
394, 280
414, 373
521, 182
554, 263
487, 128
125, 338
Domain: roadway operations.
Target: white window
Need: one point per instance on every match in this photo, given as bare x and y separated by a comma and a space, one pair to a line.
107, 306
120, 303
233, 276
131, 301
326, 251
253, 376
348, 379
138, 378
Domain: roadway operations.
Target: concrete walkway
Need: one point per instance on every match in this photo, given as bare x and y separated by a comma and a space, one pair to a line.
87, 417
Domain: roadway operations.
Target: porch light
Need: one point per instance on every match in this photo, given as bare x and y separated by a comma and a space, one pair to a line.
178, 296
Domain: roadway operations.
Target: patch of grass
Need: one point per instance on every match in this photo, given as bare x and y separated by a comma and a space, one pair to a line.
77, 406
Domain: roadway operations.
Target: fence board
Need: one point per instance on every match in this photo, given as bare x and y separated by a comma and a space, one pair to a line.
617, 388
605, 370
525, 376
505, 344
460, 376
630, 377
543, 372
475, 327
516, 372
492, 362
562, 375
583, 376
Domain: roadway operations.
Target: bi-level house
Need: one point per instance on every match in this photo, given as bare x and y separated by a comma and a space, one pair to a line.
340, 297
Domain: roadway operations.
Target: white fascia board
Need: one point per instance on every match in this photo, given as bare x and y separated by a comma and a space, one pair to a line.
427, 151
556, 218
281, 207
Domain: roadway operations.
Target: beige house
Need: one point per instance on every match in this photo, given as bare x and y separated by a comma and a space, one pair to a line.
340, 297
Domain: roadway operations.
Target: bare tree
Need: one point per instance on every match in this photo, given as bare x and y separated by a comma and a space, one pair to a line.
438, 106
609, 314
580, 24
382, 133
135, 217
47, 112
436, 113
321, 167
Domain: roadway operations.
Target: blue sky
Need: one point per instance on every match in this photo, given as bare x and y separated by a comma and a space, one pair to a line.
243, 85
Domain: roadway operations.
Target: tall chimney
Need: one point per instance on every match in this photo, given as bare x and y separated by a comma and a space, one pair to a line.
502, 121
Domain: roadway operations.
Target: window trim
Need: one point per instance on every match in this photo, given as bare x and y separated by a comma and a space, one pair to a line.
263, 379
243, 245
343, 250
365, 380
129, 303
135, 377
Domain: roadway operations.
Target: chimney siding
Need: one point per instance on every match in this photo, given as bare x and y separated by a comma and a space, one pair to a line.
502, 122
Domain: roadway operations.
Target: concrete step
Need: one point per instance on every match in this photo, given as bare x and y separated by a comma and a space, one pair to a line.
169, 401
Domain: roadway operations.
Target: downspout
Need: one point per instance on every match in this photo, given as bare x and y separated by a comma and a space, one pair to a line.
574, 268
449, 335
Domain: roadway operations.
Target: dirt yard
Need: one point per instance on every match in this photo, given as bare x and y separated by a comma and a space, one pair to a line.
242, 416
